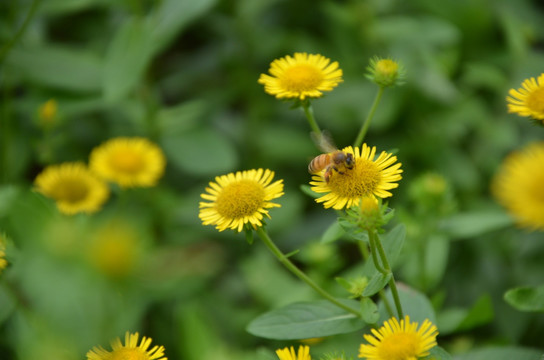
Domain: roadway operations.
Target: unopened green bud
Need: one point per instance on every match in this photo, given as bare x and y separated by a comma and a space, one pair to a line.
386, 72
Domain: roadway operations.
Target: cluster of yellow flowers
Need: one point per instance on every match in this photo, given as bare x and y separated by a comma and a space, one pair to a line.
76, 187
394, 340
235, 200
241, 200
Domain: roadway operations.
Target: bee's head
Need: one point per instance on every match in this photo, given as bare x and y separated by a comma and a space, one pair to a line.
349, 161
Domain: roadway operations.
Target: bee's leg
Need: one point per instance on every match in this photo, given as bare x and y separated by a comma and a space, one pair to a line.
338, 171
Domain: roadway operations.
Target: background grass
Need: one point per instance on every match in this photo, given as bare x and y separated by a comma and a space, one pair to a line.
184, 74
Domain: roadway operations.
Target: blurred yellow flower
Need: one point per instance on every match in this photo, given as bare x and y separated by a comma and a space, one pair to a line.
239, 199
301, 76
399, 341
289, 353
369, 178
529, 99
47, 113
129, 351
518, 186
73, 187
114, 249
130, 162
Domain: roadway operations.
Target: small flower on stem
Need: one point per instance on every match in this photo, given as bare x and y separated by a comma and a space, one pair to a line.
301, 76
369, 177
386, 72
240, 199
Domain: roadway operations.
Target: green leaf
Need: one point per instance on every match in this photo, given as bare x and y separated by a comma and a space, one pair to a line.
369, 310
502, 353
352, 230
456, 319
138, 40
526, 298
128, 55
414, 304
333, 233
171, 17
306, 320
58, 67
473, 224
200, 152
437, 353
377, 282
180, 118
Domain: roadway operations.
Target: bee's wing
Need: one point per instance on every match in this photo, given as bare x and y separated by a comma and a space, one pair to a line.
324, 141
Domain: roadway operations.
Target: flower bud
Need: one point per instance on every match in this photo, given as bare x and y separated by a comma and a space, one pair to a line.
385, 72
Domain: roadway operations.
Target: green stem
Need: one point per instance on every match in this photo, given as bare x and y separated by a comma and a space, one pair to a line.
7, 47
377, 242
360, 137
381, 293
309, 112
300, 274
373, 251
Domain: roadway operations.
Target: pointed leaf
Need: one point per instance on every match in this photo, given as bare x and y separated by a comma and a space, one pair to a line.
369, 310
128, 55
502, 353
306, 320
437, 353
377, 282
58, 67
333, 233
414, 304
526, 298
472, 224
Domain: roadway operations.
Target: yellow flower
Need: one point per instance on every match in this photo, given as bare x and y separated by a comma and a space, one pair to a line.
47, 113
369, 178
129, 351
239, 199
289, 353
114, 249
74, 188
300, 77
399, 341
130, 162
529, 99
518, 186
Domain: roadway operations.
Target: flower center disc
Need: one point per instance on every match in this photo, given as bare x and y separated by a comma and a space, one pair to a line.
535, 102
127, 161
240, 199
400, 346
71, 191
301, 78
360, 181
129, 354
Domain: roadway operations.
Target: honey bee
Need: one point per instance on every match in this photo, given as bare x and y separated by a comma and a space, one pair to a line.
332, 160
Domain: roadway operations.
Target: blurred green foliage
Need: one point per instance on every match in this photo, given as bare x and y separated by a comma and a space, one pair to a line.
184, 74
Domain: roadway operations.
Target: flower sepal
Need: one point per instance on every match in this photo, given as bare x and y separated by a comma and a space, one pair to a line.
372, 214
